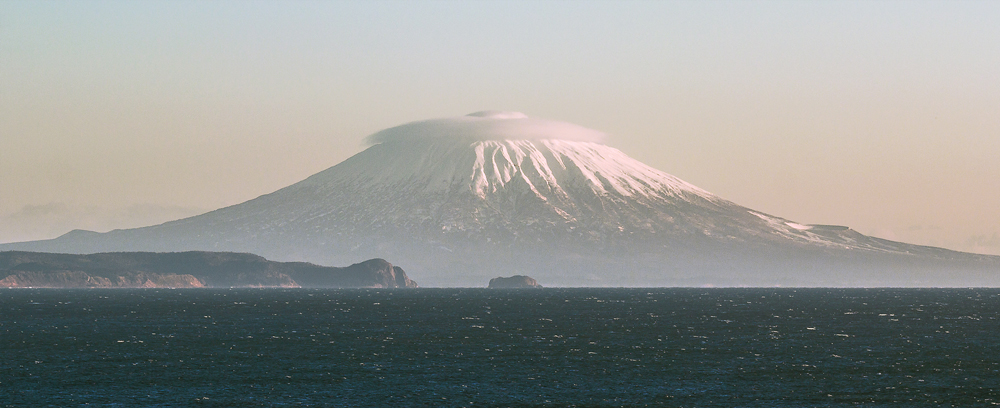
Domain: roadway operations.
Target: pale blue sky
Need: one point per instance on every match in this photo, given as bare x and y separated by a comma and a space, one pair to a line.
879, 115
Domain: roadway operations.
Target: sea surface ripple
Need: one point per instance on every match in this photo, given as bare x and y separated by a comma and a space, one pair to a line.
680, 347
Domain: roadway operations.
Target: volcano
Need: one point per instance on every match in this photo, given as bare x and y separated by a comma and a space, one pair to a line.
456, 201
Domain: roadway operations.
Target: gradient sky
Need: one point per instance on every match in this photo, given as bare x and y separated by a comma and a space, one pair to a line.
880, 115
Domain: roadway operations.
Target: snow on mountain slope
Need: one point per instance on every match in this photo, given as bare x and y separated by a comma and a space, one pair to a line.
460, 200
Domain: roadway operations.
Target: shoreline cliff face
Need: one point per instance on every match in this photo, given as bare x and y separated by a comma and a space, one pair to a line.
79, 279
194, 269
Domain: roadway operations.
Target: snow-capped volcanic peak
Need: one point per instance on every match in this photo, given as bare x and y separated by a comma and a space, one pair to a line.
510, 163
488, 125
489, 152
555, 165
460, 200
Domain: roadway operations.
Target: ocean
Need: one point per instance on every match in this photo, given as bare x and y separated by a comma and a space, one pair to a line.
674, 347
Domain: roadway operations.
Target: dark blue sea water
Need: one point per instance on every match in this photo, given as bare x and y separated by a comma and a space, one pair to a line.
480, 347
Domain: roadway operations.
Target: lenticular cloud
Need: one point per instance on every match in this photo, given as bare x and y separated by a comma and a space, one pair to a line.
487, 125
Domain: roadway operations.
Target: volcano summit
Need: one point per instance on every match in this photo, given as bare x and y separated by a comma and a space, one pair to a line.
457, 201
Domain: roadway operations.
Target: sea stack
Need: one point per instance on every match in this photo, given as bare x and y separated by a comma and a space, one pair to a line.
514, 282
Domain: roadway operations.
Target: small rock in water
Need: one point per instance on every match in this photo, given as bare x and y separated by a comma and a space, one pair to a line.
516, 281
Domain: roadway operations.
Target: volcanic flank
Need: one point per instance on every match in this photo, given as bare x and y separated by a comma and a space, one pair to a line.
459, 200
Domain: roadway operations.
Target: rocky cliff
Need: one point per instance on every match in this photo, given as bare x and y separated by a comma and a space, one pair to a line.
188, 270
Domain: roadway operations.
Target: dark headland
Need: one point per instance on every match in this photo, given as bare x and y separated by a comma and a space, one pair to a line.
195, 269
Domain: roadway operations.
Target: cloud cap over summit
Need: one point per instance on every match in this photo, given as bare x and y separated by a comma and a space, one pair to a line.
487, 125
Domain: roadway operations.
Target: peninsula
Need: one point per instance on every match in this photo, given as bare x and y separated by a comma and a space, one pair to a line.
193, 269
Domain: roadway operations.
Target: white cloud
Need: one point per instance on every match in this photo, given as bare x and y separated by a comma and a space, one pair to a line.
487, 125
987, 244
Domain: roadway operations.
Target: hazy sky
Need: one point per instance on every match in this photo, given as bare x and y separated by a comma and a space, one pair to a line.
880, 115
